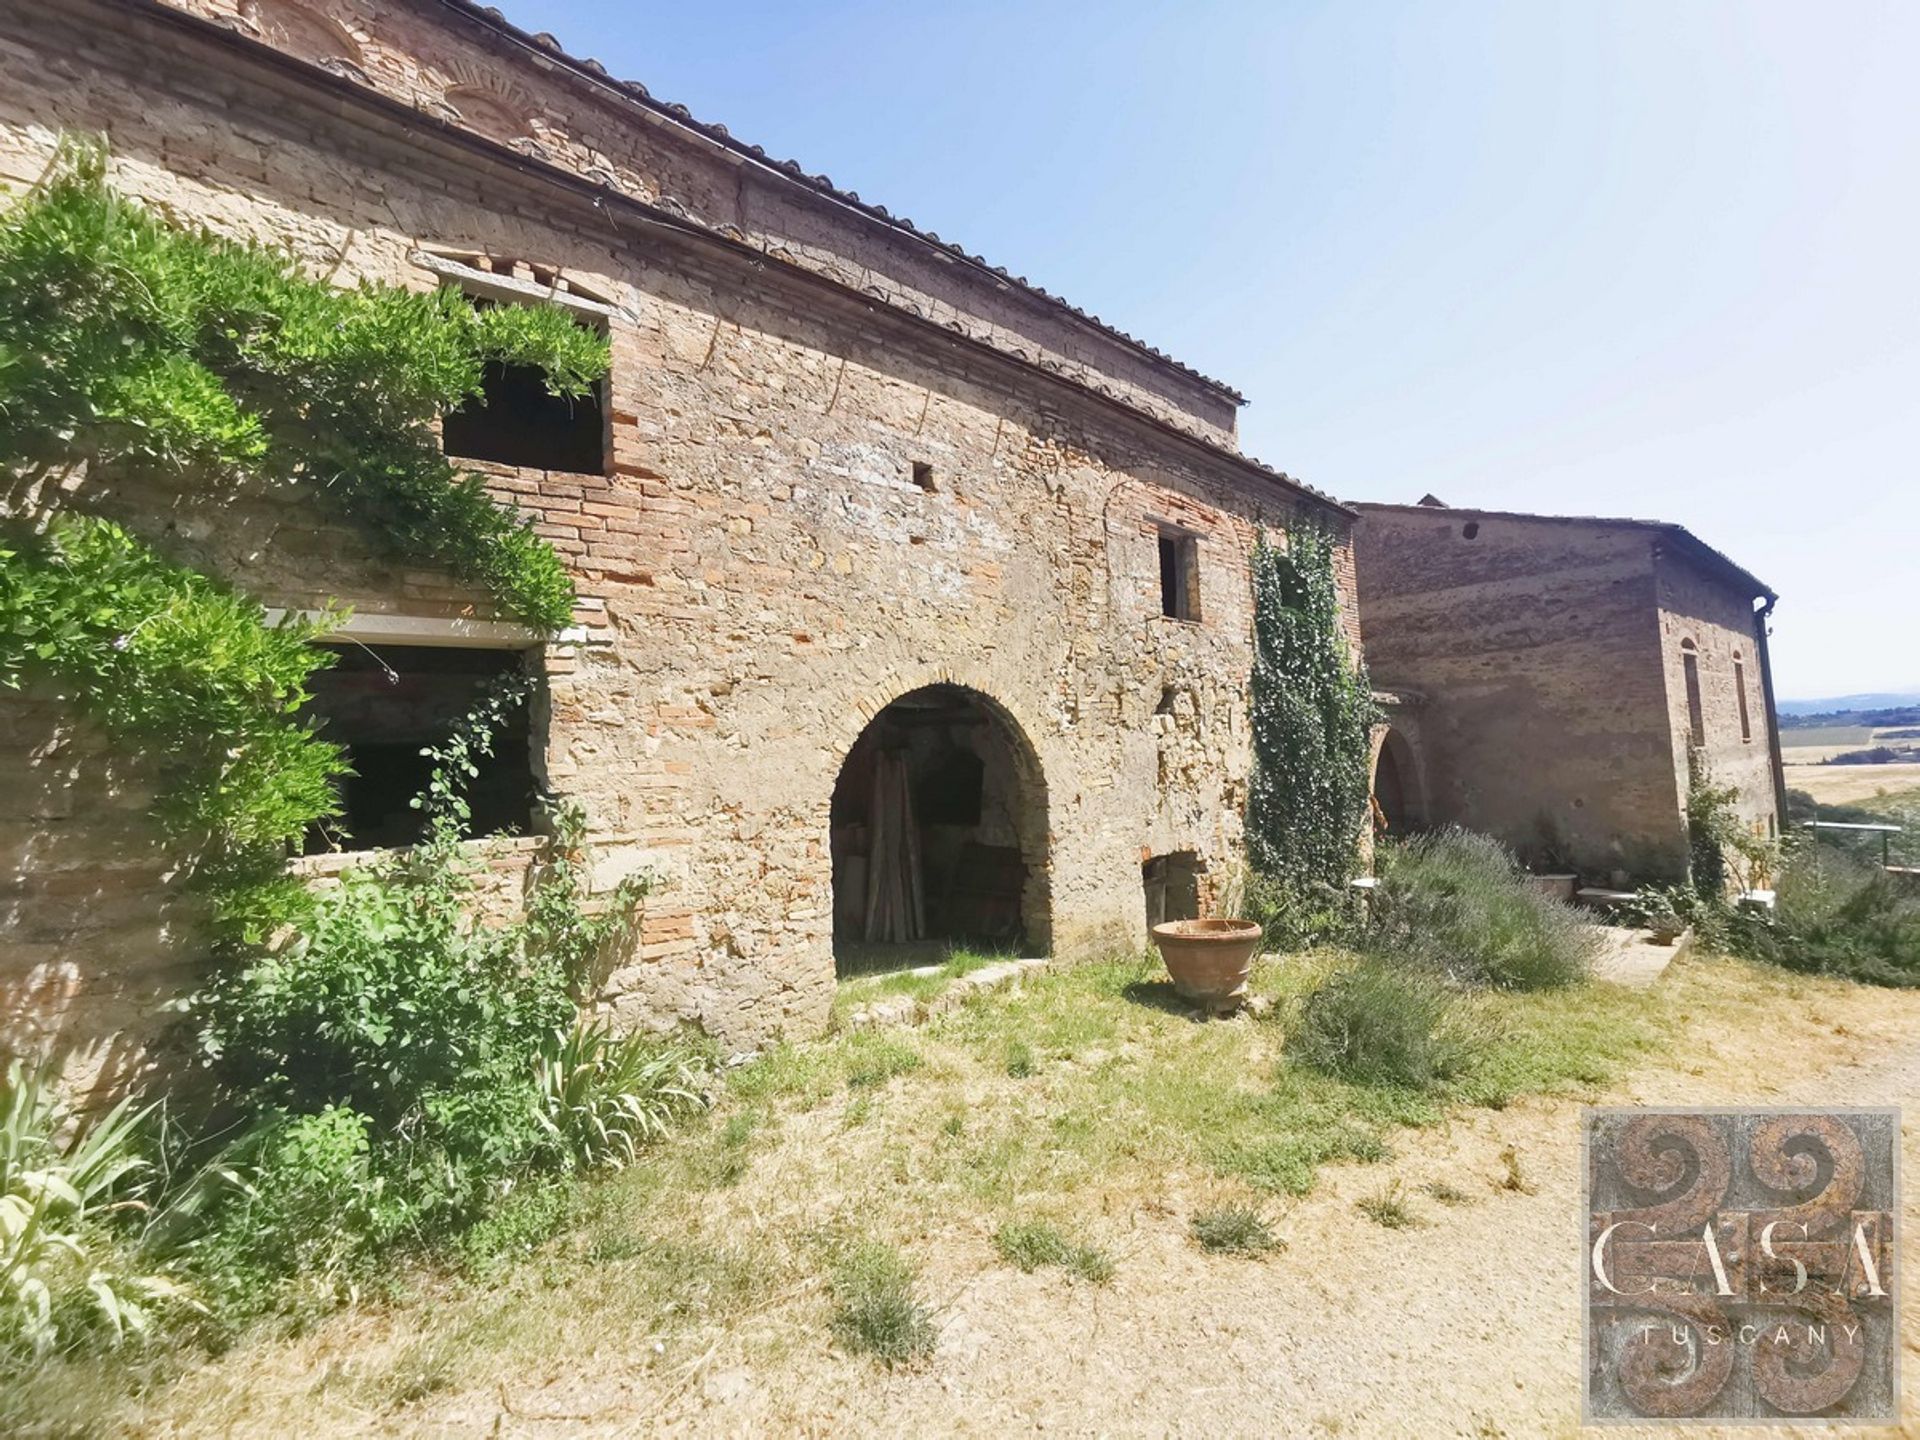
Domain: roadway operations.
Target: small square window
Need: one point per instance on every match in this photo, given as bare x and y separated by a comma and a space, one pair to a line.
516, 420
385, 706
923, 476
1179, 576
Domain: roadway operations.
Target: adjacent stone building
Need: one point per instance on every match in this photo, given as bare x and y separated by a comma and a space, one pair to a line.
855, 514
1556, 681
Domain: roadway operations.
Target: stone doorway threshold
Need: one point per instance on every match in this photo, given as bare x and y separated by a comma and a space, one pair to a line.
893, 1010
1633, 959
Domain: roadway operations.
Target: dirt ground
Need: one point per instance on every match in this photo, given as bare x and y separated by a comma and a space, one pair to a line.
1466, 1324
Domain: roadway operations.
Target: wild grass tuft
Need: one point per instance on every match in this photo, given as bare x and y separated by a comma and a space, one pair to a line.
876, 1311
1034, 1245
875, 1059
1234, 1230
1387, 1207
1379, 1023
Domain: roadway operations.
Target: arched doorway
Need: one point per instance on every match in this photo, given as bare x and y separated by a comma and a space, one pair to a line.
938, 834
1396, 795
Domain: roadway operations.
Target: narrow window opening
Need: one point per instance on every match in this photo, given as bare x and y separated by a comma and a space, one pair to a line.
1172, 885
388, 704
1168, 695
517, 421
923, 476
1179, 576
1740, 693
1696, 714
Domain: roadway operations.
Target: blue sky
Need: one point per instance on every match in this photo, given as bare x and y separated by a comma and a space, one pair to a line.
1650, 259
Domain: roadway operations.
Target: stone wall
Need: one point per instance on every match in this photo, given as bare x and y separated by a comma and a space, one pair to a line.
1533, 644
761, 572
454, 65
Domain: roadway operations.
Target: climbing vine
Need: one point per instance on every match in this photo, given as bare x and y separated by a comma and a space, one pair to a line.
382, 1061
138, 349
1312, 711
185, 670
135, 349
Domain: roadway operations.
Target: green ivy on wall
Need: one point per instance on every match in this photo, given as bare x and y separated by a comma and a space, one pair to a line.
1312, 712
187, 672
132, 348
140, 349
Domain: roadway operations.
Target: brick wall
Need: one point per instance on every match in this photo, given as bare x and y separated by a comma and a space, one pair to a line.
1720, 622
1534, 649
454, 68
760, 573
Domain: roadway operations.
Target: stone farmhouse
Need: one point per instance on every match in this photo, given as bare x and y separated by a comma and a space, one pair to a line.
913, 600
1555, 681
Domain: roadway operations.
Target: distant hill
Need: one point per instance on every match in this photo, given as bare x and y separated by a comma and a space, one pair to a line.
1841, 704
1868, 718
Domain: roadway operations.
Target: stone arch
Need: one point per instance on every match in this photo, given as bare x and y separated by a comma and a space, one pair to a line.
1398, 787
978, 843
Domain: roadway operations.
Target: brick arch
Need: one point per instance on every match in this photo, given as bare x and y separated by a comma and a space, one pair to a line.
304, 31
1407, 790
1031, 812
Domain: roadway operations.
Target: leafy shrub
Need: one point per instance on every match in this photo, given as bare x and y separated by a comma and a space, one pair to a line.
66, 1276
1458, 901
301, 1199
604, 1095
524, 1219
1292, 915
1723, 853
414, 1060
876, 1311
1835, 915
1234, 1230
395, 1005
1378, 1023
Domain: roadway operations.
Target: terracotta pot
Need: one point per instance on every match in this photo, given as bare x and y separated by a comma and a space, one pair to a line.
1209, 960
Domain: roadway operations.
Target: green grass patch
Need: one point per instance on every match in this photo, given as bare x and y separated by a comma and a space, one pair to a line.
876, 1311
1034, 1245
1234, 1230
920, 981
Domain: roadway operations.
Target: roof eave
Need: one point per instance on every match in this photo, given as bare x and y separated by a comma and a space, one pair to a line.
790, 172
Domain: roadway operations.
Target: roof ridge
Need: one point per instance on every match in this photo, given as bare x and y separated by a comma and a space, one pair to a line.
1672, 527
792, 170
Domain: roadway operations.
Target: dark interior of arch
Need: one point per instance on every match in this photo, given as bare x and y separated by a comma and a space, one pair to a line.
932, 828
1390, 791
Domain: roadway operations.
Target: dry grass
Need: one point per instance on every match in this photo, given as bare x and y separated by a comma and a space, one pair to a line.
921, 1145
